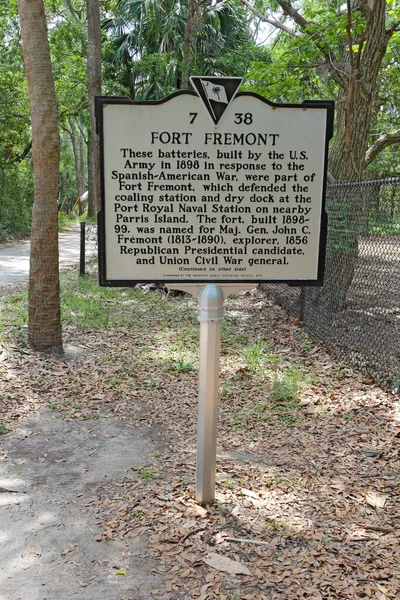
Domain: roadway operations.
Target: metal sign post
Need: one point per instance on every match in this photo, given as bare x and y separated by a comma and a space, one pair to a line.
211, 313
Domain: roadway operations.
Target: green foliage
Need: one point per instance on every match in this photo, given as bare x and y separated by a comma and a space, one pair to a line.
85, 303
13, 317
155, 76
284, 394
67, 188
298, 69
256, 354
16, 188
286, 386
148, 472
16, 200
68, 49
182, 365
386, 115
68, 44
14, 105
64, 221
145, 44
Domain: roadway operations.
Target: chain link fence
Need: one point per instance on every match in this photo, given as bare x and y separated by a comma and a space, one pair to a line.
357, 311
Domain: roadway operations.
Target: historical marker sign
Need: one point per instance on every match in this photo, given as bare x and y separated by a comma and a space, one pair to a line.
238, 197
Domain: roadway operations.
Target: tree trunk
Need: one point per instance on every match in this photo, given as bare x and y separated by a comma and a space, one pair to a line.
94, 89
44, 322
76, 140
354, 113
188, 42
355, 101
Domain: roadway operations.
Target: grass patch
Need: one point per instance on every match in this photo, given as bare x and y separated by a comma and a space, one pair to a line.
256, 354
87, 305
182, 365
286, 386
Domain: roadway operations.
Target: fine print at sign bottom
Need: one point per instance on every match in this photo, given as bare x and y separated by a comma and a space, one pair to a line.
184, 199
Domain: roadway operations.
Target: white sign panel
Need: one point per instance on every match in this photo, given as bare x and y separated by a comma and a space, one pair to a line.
184, 199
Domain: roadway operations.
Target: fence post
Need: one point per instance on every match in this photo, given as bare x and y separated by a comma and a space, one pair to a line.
82, 256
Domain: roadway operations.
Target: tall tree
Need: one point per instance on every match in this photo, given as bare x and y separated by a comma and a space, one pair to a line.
161, 43
77, 142
44, 322
344, 43
94, 89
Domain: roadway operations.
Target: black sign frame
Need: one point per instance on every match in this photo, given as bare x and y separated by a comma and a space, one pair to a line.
101, 101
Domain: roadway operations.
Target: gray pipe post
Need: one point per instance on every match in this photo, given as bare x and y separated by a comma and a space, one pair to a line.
211, 313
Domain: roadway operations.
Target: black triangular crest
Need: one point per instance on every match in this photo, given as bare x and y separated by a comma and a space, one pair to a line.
216, 93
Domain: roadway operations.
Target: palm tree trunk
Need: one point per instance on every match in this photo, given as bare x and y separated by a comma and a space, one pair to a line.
44, 322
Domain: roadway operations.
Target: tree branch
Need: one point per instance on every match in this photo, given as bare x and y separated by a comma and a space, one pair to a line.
20, 157
364, 33
347, 117
318, 40
291, 12
393, 28
384, 140
75, 18
272, 22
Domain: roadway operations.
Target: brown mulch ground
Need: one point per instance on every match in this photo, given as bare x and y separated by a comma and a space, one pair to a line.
307, 496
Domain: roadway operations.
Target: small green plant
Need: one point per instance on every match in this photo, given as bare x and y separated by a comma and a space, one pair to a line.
230, 484
255, 354
52, 406
181, 365
274, 525
148, 473
285, 388
271, 480
291, 420
395, 384
3, 430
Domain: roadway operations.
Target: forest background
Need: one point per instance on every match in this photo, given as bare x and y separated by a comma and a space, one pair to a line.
287, 52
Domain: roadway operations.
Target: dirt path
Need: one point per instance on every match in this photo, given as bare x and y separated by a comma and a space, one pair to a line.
51, 471
14, 260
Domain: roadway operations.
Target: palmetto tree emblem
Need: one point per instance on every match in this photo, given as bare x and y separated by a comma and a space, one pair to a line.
216, 90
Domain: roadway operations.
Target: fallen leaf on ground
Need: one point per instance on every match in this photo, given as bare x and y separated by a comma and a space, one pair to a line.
223, 563
376, 500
